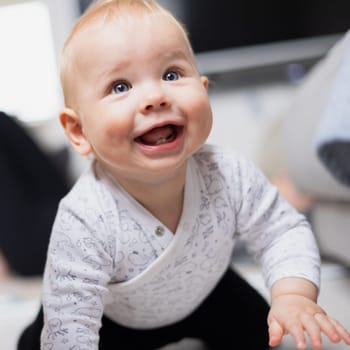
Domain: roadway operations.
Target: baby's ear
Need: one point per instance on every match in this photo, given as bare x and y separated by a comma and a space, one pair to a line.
74, 131
205, 81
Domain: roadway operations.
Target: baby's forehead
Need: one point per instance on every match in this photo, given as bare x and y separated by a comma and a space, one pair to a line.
97, 22
123, 23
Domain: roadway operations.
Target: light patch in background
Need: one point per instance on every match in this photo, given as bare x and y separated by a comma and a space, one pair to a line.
29, 84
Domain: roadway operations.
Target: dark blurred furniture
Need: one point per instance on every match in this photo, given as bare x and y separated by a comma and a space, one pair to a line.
31, 185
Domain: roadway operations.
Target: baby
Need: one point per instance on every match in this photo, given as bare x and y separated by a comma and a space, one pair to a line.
140, 252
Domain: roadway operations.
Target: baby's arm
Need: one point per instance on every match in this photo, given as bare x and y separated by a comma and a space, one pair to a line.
294, 310
78, 268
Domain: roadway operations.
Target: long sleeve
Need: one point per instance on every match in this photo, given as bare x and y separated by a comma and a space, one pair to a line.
80, 262
275, 233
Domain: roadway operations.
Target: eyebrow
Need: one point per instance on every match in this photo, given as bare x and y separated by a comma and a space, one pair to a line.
104, 73
177, 54
123, 64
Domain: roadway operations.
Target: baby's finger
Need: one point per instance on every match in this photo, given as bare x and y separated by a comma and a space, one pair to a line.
328, 327
275, 333
345, 335
313, 330
297, 333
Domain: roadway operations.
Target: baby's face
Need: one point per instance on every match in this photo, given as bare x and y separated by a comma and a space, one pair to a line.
141, 102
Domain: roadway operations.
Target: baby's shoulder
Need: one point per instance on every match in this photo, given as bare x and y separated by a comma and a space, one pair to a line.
88, 192
88, 207
227, 163
214, 158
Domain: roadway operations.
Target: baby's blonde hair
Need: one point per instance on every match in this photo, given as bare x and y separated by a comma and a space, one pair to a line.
104, 11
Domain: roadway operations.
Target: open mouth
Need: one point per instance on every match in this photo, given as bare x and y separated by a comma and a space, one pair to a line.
160, 135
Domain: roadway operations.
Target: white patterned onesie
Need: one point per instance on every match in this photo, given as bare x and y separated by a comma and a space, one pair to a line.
108, 254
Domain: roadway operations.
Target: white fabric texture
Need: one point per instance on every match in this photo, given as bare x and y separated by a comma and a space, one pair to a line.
108, 254
306, 135
333, 134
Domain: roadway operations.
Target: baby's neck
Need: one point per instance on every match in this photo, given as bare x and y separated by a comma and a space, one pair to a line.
167, 210
164, 200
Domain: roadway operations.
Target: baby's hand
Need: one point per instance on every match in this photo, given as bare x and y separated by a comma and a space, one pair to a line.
296, 315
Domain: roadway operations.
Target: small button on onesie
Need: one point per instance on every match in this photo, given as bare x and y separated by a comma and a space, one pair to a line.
159, 231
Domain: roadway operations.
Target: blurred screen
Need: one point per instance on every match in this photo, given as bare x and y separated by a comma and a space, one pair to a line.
222, 24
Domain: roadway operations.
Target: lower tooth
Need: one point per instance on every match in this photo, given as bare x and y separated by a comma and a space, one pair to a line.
160, 141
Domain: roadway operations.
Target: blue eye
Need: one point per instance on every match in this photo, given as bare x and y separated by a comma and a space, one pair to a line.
171, 76
120, 87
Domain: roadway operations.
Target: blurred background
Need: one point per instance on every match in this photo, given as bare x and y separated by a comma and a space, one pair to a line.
267, 63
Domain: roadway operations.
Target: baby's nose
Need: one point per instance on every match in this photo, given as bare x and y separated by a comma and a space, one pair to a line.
154, 102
